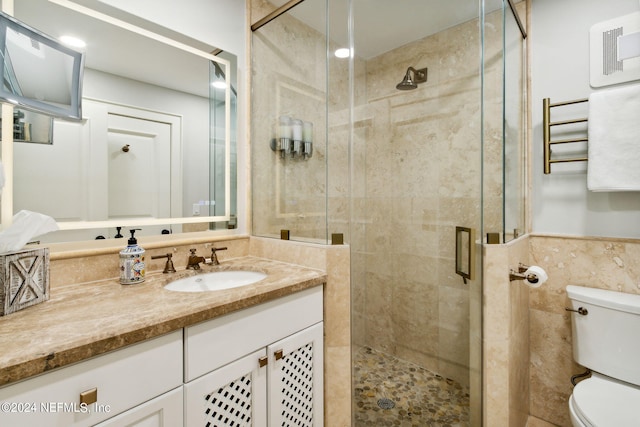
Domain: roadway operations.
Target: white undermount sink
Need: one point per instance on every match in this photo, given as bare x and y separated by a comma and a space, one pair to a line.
215, 281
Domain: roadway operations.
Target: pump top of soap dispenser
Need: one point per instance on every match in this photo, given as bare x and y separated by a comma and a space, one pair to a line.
132, 240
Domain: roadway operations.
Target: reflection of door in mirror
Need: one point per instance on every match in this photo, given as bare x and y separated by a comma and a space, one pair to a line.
139, 153
85, 175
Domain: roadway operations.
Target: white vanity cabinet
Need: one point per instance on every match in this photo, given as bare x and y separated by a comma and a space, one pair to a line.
110, 384
163, 411
258, 366
262, 366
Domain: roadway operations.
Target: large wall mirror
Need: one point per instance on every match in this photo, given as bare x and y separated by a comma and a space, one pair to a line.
156, 147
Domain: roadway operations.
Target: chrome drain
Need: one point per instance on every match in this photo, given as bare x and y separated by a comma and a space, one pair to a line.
386, 403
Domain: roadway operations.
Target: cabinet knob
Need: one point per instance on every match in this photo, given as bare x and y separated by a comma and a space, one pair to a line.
89, 396
263, 361
278, 354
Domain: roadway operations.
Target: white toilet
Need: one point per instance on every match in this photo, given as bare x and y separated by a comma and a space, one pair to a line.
606, 339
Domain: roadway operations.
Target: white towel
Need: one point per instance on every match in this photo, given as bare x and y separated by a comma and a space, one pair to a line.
614, 140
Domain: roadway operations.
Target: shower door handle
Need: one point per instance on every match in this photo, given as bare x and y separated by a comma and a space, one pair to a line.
466, 253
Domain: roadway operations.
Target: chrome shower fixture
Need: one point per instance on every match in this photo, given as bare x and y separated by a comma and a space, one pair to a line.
408, 83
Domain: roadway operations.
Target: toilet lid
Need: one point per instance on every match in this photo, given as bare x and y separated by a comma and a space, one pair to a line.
602, 402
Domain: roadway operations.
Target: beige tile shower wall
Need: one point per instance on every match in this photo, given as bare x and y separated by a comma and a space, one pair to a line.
288, 78
506, 336
600, 263
338, 161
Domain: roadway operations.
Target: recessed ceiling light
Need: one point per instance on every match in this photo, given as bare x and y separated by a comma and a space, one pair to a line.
219, 84
73, 42
343, 52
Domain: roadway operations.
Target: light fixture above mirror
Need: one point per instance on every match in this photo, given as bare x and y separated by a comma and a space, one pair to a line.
73, 42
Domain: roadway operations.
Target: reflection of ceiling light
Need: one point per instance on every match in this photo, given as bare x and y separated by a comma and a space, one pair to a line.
342, 52
73, 41
219, 84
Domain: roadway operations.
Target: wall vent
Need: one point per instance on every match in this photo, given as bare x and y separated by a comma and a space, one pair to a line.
610, 61
610, 44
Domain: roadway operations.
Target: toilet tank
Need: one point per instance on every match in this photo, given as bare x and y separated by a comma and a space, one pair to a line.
607, 339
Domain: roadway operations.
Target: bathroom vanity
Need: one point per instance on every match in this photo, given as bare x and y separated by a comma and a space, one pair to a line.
268, 358
107, 354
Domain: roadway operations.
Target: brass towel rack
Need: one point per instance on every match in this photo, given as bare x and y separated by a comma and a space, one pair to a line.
547, 123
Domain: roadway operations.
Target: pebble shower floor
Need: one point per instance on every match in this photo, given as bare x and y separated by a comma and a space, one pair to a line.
393, 392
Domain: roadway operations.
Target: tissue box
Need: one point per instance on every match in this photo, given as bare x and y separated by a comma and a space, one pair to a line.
24, 279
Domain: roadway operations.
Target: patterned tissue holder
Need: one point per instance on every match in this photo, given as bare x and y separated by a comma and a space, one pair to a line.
24, 279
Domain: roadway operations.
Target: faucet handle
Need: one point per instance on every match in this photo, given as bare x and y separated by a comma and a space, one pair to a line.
214, 255
168, 267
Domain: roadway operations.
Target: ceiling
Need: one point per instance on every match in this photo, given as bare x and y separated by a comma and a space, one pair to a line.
383, 25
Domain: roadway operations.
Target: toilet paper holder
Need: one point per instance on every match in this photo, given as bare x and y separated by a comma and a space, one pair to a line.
520, 274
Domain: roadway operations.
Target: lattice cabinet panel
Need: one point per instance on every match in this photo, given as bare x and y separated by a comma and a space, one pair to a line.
295, 379
232, 396
296, 383
230, 405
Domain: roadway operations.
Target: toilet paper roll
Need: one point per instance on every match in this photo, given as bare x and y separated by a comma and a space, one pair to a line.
535, 276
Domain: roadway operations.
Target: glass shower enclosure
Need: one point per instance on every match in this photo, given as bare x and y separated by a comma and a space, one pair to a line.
408, 160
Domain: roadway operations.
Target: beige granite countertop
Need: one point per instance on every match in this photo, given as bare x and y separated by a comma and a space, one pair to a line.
84, 320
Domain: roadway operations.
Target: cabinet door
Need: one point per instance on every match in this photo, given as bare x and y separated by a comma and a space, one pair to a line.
164, 410
296, 379
233, 395
109, 384
217, 342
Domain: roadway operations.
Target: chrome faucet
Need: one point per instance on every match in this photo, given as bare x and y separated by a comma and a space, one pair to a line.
194, 261
214, 256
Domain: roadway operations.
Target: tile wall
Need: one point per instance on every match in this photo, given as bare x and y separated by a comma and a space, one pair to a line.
506, 336
594, 262
528, 361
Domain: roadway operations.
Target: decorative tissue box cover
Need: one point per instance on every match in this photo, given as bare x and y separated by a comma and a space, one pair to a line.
24, 279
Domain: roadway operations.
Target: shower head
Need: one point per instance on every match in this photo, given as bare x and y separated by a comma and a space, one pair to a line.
409, 82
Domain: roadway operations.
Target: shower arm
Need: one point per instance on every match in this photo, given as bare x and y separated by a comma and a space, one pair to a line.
419, 76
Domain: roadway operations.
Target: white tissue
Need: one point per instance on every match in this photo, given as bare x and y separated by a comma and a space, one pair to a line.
535, 276
26, 225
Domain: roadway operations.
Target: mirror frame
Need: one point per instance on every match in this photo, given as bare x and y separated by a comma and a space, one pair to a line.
6, 202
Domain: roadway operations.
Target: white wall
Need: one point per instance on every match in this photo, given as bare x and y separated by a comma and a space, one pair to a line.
560, 71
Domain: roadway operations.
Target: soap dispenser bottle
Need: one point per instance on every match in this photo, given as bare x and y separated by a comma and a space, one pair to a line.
132, 262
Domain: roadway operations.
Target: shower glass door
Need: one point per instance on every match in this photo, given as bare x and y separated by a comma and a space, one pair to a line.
417, 175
